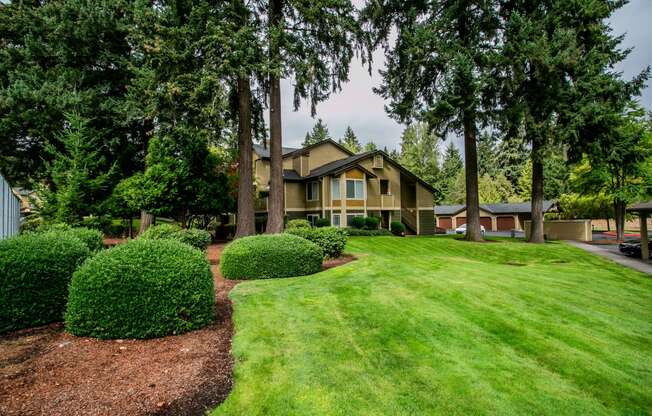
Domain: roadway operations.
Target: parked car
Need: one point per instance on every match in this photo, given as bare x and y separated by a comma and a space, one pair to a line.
633, 248
462, 229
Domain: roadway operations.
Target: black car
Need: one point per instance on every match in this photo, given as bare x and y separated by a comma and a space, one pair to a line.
633, 248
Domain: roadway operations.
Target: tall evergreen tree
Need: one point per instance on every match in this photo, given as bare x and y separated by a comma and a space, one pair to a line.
420, 152
451, 168
318, 133
311, 42
350, 141
439, 70
369, 146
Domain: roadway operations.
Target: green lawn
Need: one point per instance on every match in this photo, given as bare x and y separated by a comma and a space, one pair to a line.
441, 326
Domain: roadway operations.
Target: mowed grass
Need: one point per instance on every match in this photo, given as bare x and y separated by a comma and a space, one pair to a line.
445, 327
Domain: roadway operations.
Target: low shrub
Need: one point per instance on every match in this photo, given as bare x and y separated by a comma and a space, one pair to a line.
331, 240
270, 256
35, 270
141, 289
397, 228
371, 222
323, 222
357, 222
93, 239
355, 232
97, 223
199, 239
298, 223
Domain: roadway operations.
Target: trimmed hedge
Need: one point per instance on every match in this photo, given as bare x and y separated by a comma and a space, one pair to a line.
397, 228
35, 270
141, 289
357, 222
298, 223
323, 222
93, 239
371, 222
270, 256
354, 232
330, 239
199, 239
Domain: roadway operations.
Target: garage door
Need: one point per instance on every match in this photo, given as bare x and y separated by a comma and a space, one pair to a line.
445, 222
486, 222
460, 221
505, 223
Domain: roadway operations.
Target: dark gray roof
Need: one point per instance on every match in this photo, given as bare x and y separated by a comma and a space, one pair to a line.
291, 175
516, 208
338, 165
645, 206
264, 152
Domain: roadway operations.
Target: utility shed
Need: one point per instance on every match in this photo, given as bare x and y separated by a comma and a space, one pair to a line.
9, 210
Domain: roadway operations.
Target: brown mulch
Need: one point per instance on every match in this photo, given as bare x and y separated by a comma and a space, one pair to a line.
45, 371
343, 259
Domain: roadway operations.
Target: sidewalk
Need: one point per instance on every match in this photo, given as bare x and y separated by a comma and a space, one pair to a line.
604, 251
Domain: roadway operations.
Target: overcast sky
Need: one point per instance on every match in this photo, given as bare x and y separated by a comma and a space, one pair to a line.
356, 105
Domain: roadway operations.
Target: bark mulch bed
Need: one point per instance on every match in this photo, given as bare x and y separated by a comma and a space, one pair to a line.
45, 371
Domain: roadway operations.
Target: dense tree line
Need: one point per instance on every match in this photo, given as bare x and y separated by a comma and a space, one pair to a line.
151, 107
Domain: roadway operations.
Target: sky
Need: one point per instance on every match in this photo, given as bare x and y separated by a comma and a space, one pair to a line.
357, 105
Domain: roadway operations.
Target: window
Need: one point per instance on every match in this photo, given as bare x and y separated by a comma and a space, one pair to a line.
312, 191
349, 218
355, 189
336, 220
335, 188
384, 187
312, 218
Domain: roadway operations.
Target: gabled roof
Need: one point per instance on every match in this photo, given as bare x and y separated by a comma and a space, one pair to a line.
497, 209
641, 207
263, 152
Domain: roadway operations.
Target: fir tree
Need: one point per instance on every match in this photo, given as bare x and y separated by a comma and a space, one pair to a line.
350, 141
318, 133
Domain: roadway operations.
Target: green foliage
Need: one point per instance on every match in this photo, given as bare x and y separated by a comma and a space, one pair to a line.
318, 134
93, 239
199, 239
298, 223
371, 222
323, 222
397, 228
451, 169
420, 152
350, 141
141, 289
331, 240
358, 222
35, 270
355, 232
270, 256
369, 146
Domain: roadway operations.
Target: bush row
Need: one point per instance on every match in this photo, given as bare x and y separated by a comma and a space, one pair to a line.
355, 232
199, 239
368, 223
270, 256
330, 239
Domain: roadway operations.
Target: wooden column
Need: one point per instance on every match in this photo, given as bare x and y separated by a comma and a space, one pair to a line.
645, 249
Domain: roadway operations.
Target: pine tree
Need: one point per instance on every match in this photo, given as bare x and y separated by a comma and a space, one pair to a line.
319, 133
451, 169
350, 141
420, 152
439, 70
370, 146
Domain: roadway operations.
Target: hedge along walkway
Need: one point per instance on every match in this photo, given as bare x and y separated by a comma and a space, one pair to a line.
44, 371
435, 326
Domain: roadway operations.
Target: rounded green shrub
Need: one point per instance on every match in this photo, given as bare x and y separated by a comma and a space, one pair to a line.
354, 232
323, 222
93, 239
371, 222
270, 256
357, 222
397, 228
331, 240
199, 239
298, 223
141, 289
35, 270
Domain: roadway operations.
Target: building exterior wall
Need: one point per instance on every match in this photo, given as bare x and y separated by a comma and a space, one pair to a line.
326, 153
578, 230
9, 210
426, 222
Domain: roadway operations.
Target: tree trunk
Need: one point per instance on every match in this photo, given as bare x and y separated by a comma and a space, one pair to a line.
536, 226
276, 205
245, 221
473, 230
130, 227
619, 216
146, 221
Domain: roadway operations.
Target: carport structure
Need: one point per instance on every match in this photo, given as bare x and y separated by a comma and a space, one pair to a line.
643, 209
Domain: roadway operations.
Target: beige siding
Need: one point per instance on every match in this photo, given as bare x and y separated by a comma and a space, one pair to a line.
324, 154
295, 195
424, 197
389, 172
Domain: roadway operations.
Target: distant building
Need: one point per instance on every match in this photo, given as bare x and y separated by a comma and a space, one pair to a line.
494, 217
9, 210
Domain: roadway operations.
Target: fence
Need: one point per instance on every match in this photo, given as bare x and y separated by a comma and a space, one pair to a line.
9, 210
578, 230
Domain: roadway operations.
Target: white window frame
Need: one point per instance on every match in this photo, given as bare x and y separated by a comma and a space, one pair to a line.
339, 220
335, 188
355, 181
309, 186
360, 214
312, 218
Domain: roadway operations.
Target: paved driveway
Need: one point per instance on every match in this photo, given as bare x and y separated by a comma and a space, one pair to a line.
611, 252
